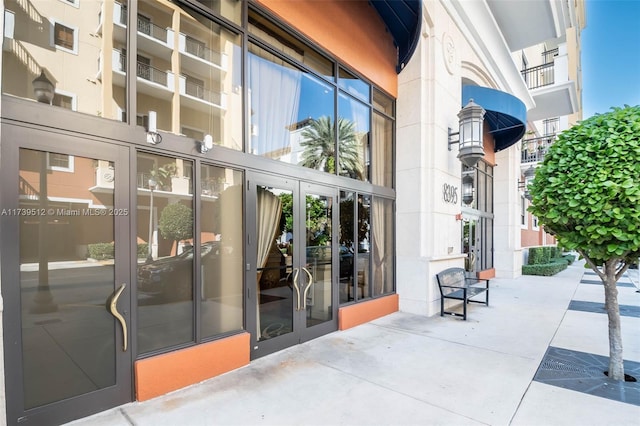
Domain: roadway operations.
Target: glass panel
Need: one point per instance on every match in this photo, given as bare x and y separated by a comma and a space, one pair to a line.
319, 252
165, 252
382, 151
209, 82
354, 86
48, 57
290, 45
347, 246
222, 250
353, 138
364, 249
230, 9
383, 246
67, 272
382, 102
274, 213
292, 117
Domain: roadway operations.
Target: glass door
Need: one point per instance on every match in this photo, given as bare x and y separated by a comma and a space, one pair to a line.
65, 269
290, 295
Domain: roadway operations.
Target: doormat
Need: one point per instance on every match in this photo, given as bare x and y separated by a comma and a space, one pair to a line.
584, 372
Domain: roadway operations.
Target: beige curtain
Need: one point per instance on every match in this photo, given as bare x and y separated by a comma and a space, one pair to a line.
269, 209
378, 177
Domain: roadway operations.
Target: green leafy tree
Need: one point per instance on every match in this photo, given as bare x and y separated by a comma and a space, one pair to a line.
319, 148
587, 193
176, 222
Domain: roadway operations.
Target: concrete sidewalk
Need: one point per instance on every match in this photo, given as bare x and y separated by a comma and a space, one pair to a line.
405, 369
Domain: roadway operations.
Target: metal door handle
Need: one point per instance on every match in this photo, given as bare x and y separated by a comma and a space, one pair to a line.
306, 289
112, 301
296, 272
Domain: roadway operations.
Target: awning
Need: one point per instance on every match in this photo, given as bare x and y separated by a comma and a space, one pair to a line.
402, 18
506, 114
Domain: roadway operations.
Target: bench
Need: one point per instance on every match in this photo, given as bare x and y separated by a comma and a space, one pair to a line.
454, 284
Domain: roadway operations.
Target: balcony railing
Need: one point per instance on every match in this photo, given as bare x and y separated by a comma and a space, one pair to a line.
145, 26
542, 75
535, 149
198, 91
144, 71
198, 49
548, 56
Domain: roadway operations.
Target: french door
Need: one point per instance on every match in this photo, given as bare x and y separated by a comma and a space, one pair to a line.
65, 276
293, 264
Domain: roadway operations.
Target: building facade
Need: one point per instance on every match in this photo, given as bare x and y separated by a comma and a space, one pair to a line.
188, 185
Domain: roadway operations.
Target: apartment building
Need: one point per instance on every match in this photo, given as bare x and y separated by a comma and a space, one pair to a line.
188, 185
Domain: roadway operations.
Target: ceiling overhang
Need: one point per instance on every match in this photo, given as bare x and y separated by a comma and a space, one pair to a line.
402, 18
506, 114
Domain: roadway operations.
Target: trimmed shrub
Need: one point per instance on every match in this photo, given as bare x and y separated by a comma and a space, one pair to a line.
570, 258
546, 270
536, 256
101, 251
143, 250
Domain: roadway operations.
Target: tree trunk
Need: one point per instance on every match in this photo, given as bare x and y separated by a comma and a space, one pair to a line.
616, 367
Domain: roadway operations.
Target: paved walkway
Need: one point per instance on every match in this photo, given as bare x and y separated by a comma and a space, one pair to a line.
405, 369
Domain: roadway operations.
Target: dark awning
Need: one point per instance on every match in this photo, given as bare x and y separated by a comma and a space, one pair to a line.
506, 114
402, 18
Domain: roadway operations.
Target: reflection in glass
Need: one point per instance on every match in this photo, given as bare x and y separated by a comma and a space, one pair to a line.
364, 246
317, 292
222, 250
50, 38
230, 9
274, 279
292, 116
66, 275
347, 247
353, 138
165, 252
382, 151
383, 246
354, 86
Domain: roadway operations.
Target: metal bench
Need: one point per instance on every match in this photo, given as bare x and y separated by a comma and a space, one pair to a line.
454, 284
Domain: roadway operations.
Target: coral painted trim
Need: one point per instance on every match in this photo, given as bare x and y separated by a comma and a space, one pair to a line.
360, 313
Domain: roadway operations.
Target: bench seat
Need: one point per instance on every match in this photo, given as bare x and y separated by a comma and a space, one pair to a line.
454, 284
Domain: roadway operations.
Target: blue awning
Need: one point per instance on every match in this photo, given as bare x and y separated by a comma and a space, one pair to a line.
402, 18
506, 114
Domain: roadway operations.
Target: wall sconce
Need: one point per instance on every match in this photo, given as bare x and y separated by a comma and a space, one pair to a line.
529, 174
43, 88
153, 137
206, 144
467, 189
470, 134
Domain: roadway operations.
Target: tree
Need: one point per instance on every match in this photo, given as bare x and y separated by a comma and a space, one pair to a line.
587, 193
176, 222
320, 147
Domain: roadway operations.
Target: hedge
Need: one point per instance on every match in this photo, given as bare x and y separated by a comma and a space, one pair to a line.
546, 269
570, 258
101, 251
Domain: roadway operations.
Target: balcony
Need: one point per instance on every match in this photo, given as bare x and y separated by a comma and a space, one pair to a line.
198, 58
151, 81
195, 95
527, 23
151, 37
552, 91
535, 149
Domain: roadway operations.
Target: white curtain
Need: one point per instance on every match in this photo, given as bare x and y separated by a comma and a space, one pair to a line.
379, 254
275, 100
269, 209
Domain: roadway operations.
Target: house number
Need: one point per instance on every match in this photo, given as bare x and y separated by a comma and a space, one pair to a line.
450, 193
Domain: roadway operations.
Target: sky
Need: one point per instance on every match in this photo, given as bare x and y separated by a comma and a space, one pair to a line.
610, 55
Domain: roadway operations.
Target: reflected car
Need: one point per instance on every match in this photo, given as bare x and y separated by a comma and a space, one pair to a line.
170, 279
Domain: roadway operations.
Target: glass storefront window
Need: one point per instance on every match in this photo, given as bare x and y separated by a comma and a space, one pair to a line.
49, 55
383, 246
291, 46
382, 151
291, 113
354, 86
353, 138
222, 250
363, 256
165, 252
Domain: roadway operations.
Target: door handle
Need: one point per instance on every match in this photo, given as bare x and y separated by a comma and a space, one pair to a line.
296, 272
306, 289
112, 301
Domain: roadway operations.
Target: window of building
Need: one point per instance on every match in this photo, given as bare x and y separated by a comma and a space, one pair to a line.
523, 211
477, 232
534, 224
65, 37
74, 3
60, 162
66, 101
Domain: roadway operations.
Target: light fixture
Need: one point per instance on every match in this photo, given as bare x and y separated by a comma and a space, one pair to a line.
153, 137
206, 144
467, 189
470, 135
43, 88
529, 174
